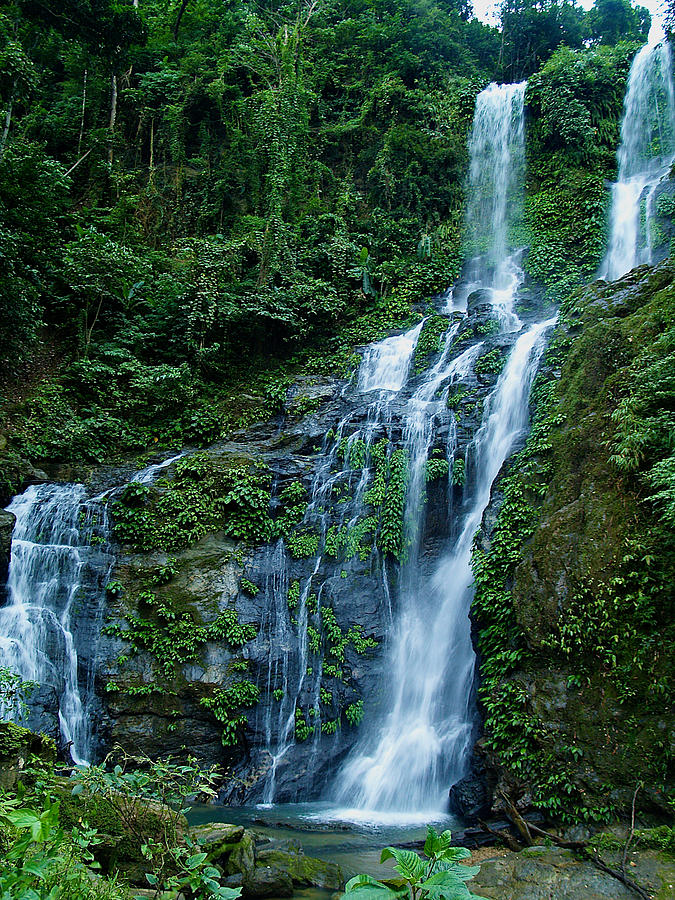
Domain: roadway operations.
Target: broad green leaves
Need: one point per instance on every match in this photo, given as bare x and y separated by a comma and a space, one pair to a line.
408, 863
438, 877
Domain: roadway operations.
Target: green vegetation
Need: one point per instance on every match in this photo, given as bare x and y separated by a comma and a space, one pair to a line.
575, 102
603, 644
203, 497
490, 363
228, 705
439, 873
65, 838
429, 341
197, 201
172, 638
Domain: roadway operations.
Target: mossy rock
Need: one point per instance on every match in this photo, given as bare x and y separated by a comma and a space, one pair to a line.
304, 870
18, 746
243, 857
541, 873
121, 830
217, 839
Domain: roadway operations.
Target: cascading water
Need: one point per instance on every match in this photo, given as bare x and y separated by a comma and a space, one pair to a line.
495, 193
420, 748
57, 573
386, 365
645, 155
406, 761
60, 562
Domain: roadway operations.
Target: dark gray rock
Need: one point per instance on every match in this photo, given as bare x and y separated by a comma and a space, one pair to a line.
268, 881
7, 520
471, 798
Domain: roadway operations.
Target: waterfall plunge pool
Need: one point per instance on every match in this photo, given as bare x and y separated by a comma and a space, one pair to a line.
353, 839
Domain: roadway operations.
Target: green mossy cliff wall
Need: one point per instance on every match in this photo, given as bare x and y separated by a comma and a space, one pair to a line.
575, 566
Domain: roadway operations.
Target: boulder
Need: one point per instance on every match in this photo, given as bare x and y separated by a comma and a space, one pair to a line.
268, 881
242, 857
541, 873
304, 870
19, 746
217, 839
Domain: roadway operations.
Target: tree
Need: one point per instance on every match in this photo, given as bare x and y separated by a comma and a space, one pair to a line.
611, 21
533, 29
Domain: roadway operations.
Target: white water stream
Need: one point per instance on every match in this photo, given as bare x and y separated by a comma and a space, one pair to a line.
407, 759
49, 627
55, 557
645, 156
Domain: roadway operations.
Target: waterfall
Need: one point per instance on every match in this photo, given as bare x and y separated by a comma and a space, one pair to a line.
60, 563
408, 757
420, 748
496, 186
57, 575
645, 155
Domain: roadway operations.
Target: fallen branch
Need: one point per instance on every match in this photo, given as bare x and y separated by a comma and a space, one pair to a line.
517, 819
641, 892
504, 836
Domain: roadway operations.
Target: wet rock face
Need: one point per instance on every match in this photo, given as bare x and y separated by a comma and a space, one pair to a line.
7, 520
298, 660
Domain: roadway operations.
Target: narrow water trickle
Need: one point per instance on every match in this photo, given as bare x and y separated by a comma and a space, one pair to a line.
645, 155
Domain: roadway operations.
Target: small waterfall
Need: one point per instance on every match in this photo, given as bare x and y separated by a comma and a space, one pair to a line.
645, 155
386, 365
60, 563
57, 575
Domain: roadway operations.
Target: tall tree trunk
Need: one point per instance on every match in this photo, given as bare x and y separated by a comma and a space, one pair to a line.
8, 120
182, 9
151, 179
113, 117
84, 101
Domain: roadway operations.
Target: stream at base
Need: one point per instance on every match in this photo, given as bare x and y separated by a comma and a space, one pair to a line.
326, 831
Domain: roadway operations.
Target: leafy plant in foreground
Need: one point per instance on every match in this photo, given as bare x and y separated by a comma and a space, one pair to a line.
440, 876
150, 803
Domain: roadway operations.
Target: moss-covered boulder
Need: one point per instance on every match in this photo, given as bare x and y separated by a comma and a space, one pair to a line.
242, 859
18, 747
304, 870
541, 873
217, 839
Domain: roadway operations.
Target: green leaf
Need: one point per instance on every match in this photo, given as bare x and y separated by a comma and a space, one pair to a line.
453, 854
446, 886
437, 844
228, 893
150, 878
196, 860
408, 863
369, 888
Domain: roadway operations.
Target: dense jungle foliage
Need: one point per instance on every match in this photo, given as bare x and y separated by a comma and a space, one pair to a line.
194, 195
201, 200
